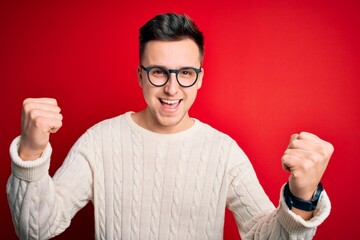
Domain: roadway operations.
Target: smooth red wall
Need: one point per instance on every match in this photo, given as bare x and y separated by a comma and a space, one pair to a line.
271, 69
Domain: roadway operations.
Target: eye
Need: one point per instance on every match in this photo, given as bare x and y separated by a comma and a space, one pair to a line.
158, 72
187, 72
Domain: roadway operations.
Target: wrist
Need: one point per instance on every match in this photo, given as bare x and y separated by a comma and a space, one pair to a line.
28, 154
301, 204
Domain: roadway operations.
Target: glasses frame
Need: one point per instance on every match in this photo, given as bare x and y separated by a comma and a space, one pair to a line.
169, 71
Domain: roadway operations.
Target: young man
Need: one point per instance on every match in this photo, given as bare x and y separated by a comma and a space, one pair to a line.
157, 173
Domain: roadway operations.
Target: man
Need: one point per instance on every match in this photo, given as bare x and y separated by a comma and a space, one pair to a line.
158, 173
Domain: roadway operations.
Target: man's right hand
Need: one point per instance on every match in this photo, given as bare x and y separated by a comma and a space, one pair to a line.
40, 117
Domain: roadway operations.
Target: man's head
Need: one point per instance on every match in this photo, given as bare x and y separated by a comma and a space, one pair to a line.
170, 72
170, 27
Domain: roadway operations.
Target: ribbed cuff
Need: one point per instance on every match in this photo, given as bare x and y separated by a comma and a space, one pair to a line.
29, 170
295, 224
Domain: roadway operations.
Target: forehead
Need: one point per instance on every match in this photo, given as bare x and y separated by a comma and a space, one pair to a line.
172, 54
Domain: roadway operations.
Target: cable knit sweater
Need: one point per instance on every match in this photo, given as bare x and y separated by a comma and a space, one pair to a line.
146, 185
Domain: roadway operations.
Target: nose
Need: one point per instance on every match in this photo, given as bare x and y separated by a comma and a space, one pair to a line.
172, 85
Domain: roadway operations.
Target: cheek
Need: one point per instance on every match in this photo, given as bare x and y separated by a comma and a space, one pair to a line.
145, 93
149, 93
191, 96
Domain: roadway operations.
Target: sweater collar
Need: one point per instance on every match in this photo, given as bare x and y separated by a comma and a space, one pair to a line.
160, 136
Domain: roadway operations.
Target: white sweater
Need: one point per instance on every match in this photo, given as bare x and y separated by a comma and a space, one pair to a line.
146, 185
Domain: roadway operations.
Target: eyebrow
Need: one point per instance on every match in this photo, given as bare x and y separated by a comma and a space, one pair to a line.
161, 66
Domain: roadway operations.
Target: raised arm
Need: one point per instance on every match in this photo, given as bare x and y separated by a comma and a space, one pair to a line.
42, 206
306, 157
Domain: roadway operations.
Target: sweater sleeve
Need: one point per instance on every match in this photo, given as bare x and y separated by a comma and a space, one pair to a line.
256, 216
42, 206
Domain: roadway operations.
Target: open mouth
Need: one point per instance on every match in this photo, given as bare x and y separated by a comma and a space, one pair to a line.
170, 103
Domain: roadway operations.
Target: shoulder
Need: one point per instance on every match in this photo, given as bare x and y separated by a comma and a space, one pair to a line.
109, 123
216, 133
107, 127
235, 154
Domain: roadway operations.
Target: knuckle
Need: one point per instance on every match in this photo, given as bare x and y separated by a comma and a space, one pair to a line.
306, 165
287, 152
39, 122
302, 134
59, 122
326, 150
53, 101
315, 157
27, 106
330, 147
318, 159
294, 144
33, 113
323, 152
27, 100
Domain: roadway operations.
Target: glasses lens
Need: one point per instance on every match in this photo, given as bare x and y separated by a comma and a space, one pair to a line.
158, 75
187, 76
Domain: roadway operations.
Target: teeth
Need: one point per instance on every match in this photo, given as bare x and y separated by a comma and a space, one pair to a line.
170, 102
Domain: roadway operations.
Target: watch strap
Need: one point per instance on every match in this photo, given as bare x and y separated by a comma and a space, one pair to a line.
306, 205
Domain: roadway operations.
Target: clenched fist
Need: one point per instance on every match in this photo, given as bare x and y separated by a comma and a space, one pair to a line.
306, 157
40, 117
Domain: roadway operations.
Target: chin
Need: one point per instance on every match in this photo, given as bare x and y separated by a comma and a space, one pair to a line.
171, 121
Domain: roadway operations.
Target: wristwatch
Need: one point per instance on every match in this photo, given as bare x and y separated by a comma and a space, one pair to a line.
306, 205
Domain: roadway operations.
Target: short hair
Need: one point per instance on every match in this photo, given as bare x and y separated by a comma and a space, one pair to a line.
170, 27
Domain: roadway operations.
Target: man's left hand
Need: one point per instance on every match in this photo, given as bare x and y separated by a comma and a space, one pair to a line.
306, 157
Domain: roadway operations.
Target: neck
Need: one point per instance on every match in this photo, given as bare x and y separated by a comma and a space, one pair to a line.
145, 120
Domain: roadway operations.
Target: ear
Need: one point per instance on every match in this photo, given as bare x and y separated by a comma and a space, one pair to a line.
200, 78
140, 78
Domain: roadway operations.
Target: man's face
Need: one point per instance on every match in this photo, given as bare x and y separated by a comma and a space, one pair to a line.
168, 106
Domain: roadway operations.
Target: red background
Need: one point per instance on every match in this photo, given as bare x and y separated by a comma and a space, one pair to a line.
271, 69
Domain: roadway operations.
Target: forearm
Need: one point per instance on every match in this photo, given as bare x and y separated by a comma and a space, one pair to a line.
42, 207
281, 223
266, 225
35, 211
257, 217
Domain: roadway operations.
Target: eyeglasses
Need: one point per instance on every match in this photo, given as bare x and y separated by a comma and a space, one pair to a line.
159, 76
